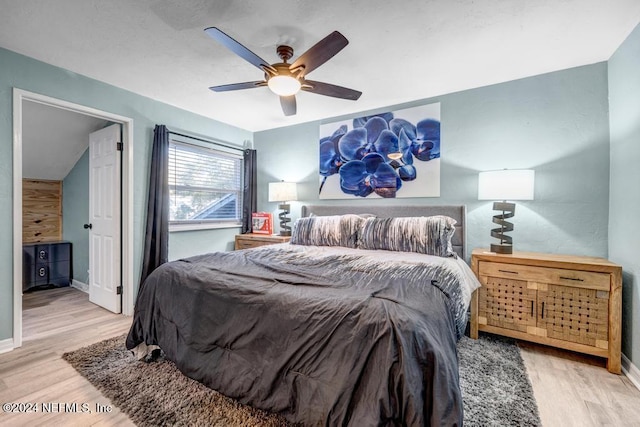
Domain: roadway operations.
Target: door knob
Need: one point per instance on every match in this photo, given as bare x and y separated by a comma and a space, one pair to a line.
89, 226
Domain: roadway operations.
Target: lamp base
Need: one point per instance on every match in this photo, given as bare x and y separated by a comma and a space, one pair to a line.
506, 242
285, 230
501, 249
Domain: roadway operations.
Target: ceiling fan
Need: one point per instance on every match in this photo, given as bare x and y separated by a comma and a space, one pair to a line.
285, 79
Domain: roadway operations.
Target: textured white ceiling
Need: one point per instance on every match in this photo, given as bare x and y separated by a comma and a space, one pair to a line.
399, 51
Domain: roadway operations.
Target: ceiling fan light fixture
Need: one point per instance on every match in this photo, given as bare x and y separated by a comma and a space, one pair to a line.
285, 79
284, 85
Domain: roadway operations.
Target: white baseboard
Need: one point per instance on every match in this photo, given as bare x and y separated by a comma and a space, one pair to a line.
6, 345
631, 371
79, 285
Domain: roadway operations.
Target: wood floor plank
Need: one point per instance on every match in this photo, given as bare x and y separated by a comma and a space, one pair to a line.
571, 389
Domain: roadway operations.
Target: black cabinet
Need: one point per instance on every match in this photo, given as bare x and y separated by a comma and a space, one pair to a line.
46, 264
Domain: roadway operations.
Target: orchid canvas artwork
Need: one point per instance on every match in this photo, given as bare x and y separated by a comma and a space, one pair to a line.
394, 154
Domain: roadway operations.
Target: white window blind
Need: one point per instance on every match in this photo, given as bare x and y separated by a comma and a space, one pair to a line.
205, 185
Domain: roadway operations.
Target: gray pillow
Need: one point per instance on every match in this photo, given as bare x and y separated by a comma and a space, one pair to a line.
334, 230
429, 235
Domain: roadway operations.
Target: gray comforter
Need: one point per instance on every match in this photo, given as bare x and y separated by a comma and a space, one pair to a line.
323, 336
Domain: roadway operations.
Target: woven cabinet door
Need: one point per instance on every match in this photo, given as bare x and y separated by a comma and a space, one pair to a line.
574, 314
507, 303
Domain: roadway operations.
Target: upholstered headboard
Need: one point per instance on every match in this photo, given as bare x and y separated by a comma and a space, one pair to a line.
457, 212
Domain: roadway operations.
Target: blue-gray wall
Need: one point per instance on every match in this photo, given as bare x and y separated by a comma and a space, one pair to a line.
554, 123
184, 244
26, 73
624, 207
75, 213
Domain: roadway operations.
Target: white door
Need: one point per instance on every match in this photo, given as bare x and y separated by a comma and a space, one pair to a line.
104, 217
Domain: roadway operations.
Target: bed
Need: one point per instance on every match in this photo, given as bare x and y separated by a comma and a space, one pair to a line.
319, 333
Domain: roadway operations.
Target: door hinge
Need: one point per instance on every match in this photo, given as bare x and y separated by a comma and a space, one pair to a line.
119, 290
119, 146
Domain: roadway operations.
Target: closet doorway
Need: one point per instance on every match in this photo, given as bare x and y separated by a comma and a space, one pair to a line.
42, 155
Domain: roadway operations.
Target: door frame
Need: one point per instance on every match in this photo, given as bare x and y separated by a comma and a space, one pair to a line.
19, 96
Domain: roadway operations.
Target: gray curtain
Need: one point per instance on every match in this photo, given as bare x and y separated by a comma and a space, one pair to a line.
250, 194
156, 241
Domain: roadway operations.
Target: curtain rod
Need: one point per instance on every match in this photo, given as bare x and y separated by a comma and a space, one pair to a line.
210, 141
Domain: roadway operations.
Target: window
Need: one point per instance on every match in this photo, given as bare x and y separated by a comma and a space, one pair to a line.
205, 185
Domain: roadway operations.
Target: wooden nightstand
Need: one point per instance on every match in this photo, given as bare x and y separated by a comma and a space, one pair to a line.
250, 240
570, 302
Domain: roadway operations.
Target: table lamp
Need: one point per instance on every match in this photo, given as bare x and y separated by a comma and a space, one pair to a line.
507, 184
283, 192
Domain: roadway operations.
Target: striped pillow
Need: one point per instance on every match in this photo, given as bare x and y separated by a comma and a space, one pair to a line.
335, 230
429, 235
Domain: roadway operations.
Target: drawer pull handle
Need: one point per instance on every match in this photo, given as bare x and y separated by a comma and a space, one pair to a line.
572, 278
508, 271
531, 308
542, 311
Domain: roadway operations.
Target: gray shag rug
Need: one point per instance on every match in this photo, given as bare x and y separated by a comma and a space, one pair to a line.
495, 387
496, 390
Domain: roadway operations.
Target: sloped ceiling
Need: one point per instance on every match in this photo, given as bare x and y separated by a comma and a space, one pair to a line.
53, 140
399, 51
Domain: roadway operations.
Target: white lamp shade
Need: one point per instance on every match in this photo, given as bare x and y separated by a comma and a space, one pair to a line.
283, 191
507, 184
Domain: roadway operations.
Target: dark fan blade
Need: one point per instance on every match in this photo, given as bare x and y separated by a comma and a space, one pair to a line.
236, 48
320, 53
330, 90
238, 86
288, 105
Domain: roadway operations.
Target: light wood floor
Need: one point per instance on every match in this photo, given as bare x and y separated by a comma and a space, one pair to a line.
56, 321
571, 389
574, 389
